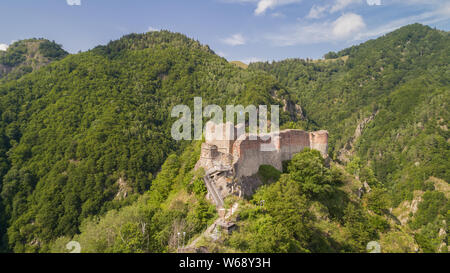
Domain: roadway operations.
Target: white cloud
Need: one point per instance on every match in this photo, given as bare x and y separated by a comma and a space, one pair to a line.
221, 54
347, 25
342, 4
373, 2
264, 5
444, 10
317, 12
351, 27
3, 47
73, 2
300, 34
234, 40
278, 15
441, 13
151, 29
344, 28
252, 60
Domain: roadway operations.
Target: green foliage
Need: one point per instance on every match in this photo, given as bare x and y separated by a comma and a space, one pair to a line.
199, 187
288, 221
307, 168
402, 78
201, 214
387, 105
74, 129
361, 229
428, 238
14, 55
25, 56
282, 226
397, 242
433, 205
354, 166
378, 201
378, 223
268, 174
52, 50
152, 222
331, 55
75, 133
130, 239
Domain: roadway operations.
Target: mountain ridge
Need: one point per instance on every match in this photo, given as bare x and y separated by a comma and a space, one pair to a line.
79, 129
387, 111
82, 129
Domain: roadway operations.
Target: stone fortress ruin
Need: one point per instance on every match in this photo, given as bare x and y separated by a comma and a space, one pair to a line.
231, 161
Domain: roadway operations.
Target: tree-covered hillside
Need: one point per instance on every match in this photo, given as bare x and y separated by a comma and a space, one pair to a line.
86, 151
310, 207
25, 56
80, 134
386, 105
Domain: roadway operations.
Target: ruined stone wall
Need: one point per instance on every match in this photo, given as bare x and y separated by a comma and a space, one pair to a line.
319, 141
246, 154
208, 155
249, 154
221, 135
292, 142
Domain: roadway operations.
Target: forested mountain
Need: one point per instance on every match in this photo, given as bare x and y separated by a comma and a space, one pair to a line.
81, 133
86, 152
386, 105
25, 56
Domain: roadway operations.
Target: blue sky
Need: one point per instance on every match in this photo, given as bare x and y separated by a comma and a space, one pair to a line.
246, 30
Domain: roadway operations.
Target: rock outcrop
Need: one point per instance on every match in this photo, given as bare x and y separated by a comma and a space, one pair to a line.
347, 151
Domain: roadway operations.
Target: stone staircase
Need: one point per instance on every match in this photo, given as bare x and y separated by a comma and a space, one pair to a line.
209, 177
213, 192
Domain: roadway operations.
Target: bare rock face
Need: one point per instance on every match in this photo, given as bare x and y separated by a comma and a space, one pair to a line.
231, 161
367, 187
346, 152
364, 189
124, 189
415, 205
406, 208
249, 185
295, 111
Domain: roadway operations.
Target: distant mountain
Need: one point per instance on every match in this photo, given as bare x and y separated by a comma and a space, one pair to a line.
25, 56
386, 105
